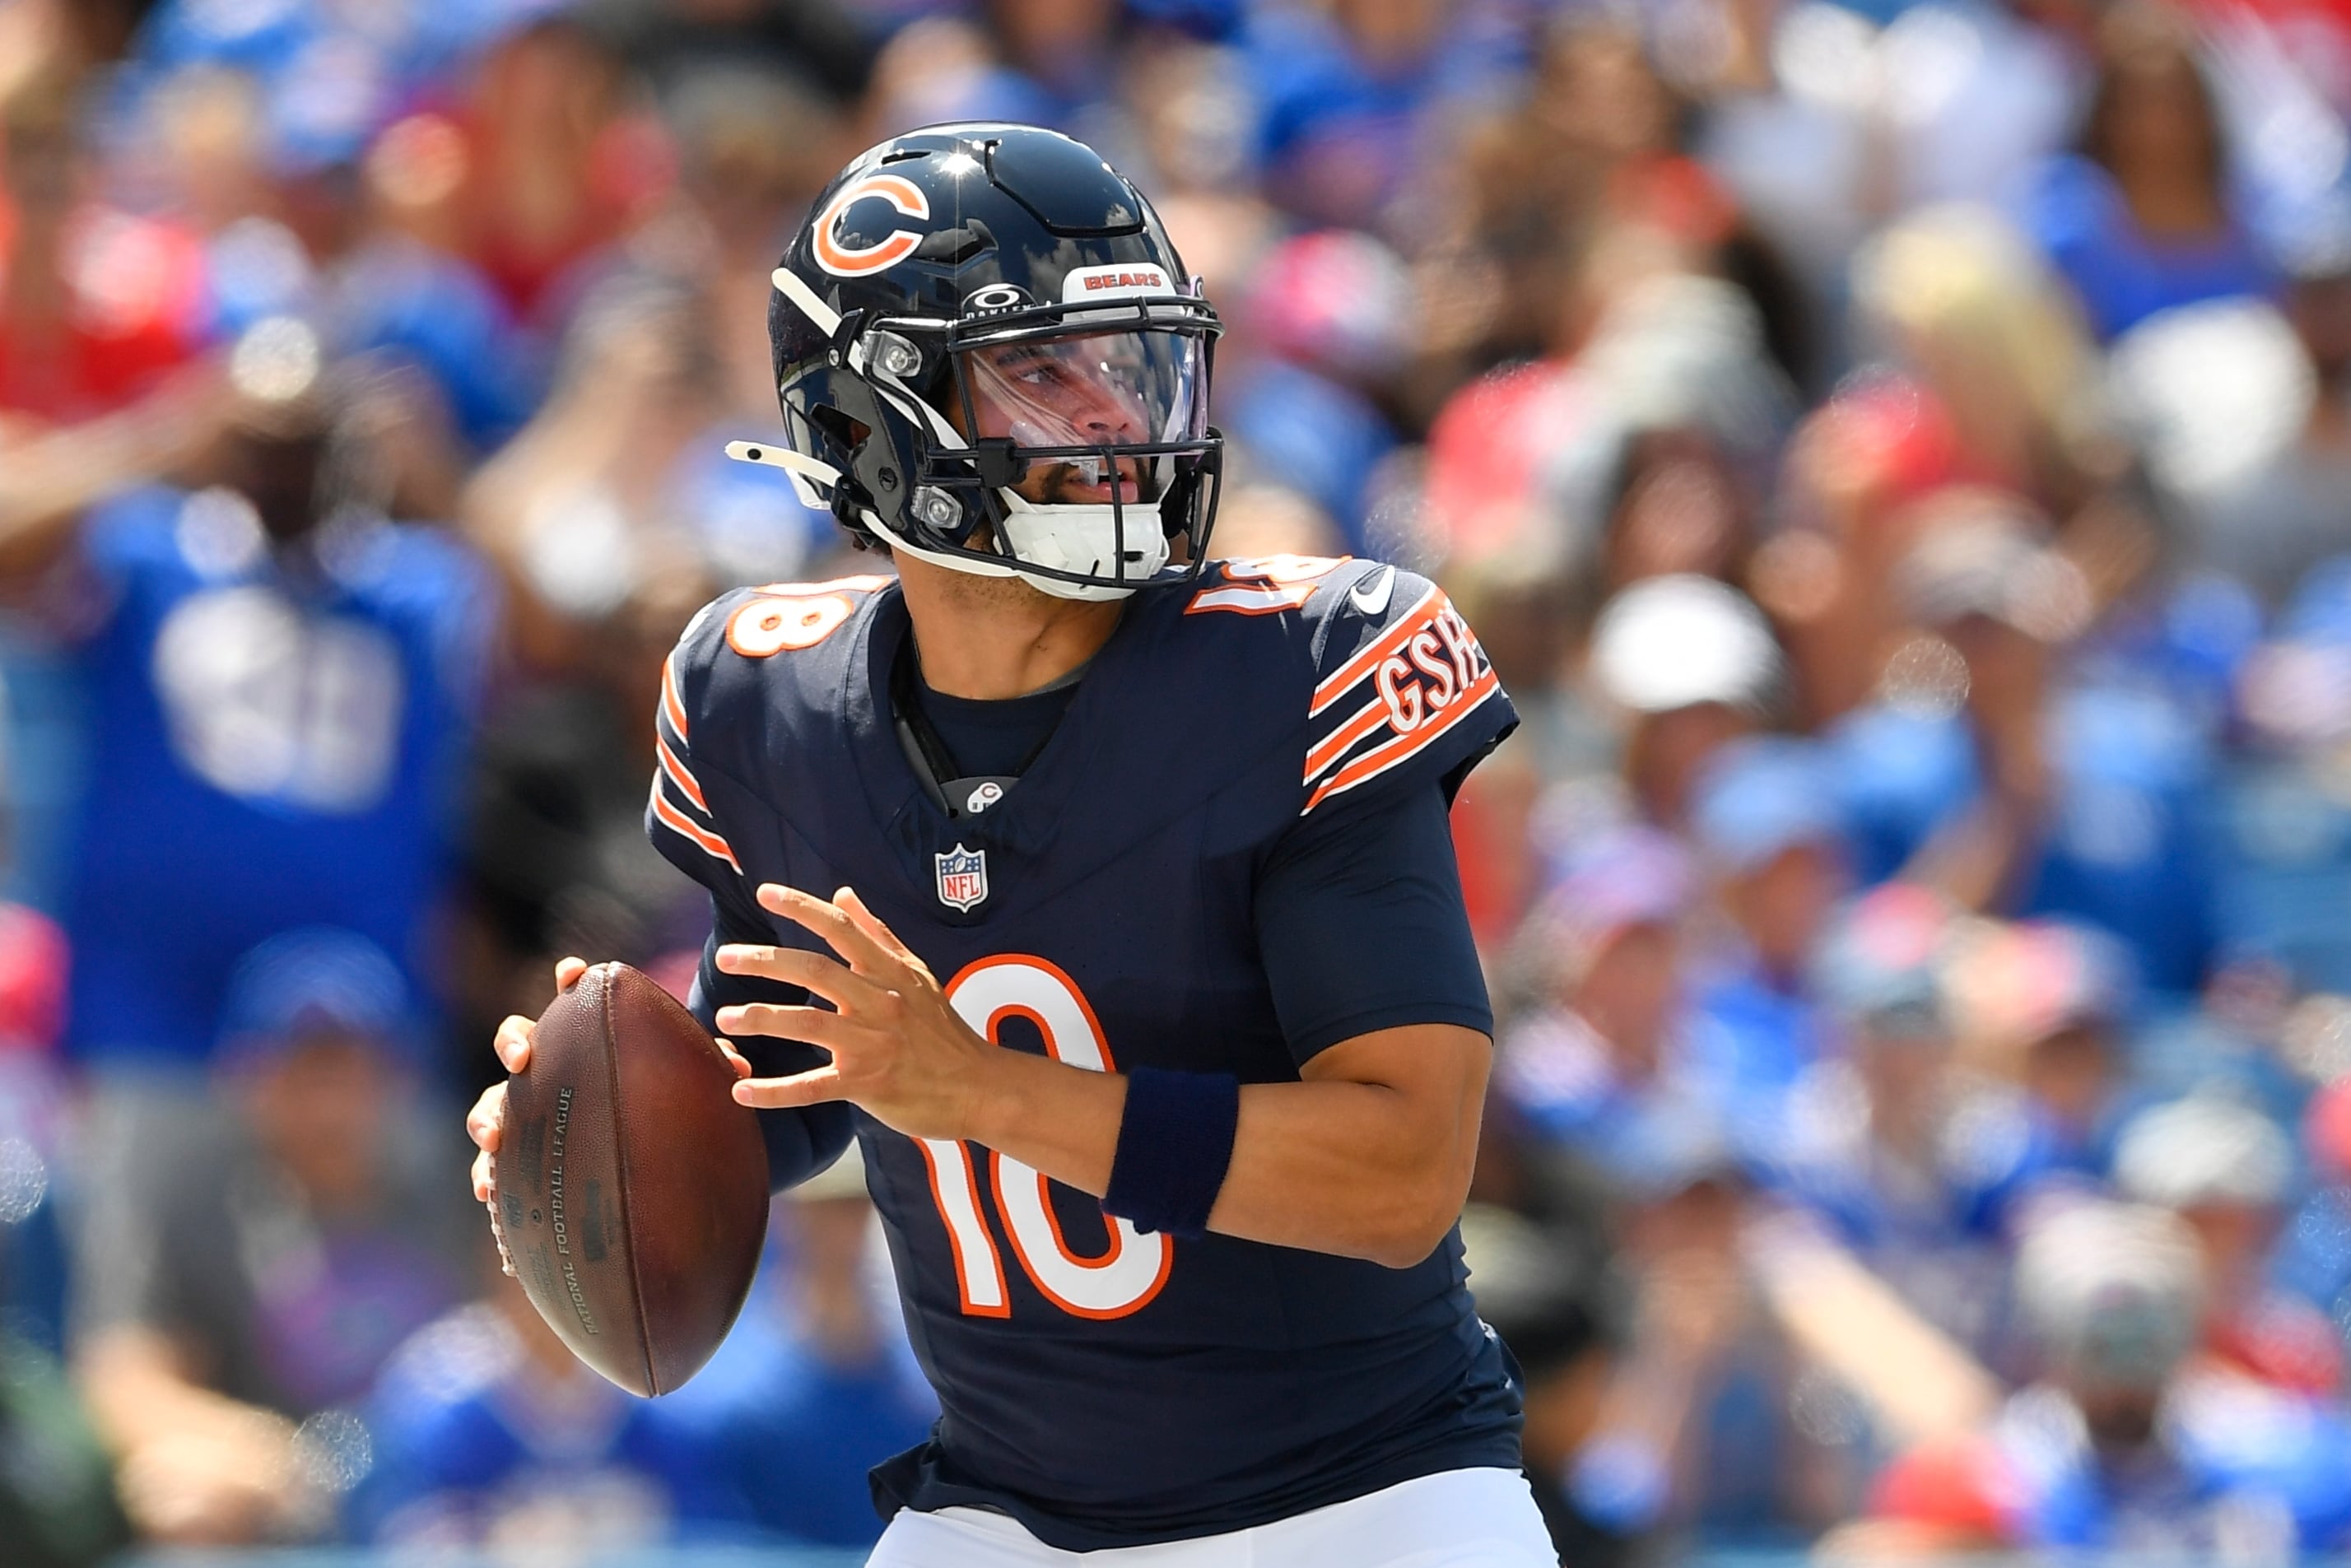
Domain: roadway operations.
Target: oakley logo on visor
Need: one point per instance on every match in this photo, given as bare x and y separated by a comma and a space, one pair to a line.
856, 261
1114, 282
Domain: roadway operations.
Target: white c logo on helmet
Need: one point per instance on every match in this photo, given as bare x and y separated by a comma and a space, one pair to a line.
844, 261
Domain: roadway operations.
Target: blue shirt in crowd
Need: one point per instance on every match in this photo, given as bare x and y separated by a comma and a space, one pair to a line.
468, 1438
1763, 1032
793, 1432
2120, 275
2124, 841
268, 747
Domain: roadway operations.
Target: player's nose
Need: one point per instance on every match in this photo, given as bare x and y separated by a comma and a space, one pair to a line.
1108, 418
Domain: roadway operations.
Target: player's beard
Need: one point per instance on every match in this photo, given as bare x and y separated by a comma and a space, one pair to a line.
979, 591
975, 590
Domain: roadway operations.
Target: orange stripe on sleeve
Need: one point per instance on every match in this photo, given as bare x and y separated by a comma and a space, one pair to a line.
1367, 718
710, 843
671, 705
1379, 760
678, 772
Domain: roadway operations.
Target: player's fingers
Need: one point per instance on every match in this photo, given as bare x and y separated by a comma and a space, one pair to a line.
811, 1088
513, 1042
482, 1121
567, 972
484, 1177
833, 923
828, 978
734, 1059
812, 1026
872, 925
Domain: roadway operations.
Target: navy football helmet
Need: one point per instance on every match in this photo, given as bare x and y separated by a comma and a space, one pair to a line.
989, 356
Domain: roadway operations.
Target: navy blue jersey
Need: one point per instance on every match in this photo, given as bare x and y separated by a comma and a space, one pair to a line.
1108, 1387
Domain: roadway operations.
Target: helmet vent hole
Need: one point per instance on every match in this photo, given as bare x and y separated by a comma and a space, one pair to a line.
953, 247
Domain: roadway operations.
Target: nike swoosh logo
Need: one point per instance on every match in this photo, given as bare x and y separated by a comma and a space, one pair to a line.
1371, 595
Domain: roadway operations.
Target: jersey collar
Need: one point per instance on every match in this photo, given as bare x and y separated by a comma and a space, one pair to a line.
1024, 827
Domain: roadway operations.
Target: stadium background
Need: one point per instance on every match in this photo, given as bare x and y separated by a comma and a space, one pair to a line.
1899, 455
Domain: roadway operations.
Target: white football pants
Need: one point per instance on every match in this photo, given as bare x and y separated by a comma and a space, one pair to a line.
1456, 1519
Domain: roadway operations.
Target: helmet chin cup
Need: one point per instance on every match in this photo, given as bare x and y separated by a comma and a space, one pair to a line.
1084, 541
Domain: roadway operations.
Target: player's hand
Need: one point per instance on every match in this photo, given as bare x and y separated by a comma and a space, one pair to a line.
482, 1123
512, 1043
898, 1049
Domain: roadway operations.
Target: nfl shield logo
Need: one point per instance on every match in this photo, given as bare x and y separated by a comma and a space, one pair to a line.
963, 877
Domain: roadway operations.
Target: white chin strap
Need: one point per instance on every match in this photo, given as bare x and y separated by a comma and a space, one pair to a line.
1084, 539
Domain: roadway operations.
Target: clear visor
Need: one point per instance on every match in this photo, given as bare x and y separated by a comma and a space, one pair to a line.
1101, 390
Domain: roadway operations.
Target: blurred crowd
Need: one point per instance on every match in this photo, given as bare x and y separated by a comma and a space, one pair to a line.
1897, 452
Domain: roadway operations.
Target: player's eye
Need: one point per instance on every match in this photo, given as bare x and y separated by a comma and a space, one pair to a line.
1041, 372
1035, 366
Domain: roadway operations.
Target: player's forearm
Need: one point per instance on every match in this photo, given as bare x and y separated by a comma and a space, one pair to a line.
1062, 1120
1356, 1169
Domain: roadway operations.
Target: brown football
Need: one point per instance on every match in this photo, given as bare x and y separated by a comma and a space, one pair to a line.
632, 1188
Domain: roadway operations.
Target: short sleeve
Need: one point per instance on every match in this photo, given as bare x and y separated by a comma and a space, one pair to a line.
800, 1142
1361, 923
678, 818
1403, 696
683, 827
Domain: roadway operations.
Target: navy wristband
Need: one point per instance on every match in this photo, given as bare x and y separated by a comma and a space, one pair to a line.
1174, 1143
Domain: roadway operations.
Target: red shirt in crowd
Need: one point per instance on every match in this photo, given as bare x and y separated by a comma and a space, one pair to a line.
133, 291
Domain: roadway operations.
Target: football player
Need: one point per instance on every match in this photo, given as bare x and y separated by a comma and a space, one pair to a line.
1104, 893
